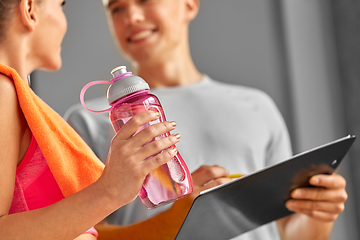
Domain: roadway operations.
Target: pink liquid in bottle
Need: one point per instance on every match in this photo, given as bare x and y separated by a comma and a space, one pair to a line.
168, 182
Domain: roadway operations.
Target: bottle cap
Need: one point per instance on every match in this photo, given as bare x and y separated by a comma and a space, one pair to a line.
124, 85
118, 71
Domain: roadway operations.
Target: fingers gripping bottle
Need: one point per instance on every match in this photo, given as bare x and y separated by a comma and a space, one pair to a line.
129, 95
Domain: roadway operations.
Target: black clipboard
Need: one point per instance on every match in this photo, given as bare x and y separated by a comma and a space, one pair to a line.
244, 204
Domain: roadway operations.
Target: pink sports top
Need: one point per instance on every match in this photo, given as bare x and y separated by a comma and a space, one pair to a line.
35, 185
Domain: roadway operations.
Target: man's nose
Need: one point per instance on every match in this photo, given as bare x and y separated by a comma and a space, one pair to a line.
134, 15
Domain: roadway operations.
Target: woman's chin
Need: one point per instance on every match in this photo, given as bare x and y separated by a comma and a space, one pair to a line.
54, 66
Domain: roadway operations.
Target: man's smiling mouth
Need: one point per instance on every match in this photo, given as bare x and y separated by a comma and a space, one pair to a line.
140, 35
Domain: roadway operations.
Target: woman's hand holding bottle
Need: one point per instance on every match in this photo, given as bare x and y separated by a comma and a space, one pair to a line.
128, 161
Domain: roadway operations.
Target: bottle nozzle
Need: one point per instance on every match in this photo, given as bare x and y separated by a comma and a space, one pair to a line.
128, 84
118, 71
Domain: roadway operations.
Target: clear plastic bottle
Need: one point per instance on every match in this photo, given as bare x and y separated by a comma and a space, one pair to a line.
129, 95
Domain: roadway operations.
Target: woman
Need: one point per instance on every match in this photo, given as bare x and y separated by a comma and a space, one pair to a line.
33, 203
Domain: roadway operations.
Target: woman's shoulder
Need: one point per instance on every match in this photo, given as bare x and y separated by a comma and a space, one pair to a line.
12, 122
10, 112
10, 137
7, 86
7, 90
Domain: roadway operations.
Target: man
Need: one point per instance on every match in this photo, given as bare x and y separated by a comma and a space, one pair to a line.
236, 127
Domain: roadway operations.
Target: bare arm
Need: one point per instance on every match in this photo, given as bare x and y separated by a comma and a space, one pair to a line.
315, 209
119, 184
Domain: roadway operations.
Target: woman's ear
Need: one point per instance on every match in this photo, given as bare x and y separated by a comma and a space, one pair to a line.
28, 14
192, 8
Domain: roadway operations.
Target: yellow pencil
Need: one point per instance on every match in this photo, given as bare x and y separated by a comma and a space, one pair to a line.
235, 175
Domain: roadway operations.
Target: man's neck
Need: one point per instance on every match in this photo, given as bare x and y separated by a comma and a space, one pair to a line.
169, 73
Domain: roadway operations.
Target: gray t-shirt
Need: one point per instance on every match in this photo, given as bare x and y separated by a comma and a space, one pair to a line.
237, 127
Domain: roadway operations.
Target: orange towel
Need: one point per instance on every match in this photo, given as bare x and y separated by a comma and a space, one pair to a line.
71, 161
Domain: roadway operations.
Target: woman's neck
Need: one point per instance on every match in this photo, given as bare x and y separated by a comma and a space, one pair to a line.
13, 54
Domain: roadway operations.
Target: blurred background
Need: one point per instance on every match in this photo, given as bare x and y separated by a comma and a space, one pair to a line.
304, 53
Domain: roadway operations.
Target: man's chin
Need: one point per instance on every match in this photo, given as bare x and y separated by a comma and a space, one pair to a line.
142, 57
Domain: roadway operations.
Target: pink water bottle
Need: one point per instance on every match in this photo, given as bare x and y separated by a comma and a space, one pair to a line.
129, 95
